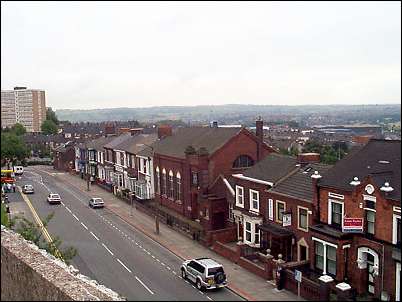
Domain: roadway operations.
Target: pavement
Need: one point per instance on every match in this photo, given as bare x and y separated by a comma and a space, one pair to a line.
241, 281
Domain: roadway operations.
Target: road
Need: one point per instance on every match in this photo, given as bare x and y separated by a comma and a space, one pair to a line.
111, 251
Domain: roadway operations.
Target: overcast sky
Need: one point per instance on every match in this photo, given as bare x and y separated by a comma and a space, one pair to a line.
131, 54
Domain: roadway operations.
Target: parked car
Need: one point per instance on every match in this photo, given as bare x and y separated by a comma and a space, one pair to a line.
53, 198
28, 189
205, 272
96, 202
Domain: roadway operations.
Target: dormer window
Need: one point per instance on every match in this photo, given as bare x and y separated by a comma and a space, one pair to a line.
243, 161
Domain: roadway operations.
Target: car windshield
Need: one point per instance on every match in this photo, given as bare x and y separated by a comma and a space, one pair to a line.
54, 196
28, 186
98, 200
214, 270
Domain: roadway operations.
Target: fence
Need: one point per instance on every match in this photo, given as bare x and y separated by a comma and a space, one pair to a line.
308, 289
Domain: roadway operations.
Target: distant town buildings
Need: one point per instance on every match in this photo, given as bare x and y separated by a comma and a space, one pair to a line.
24, 106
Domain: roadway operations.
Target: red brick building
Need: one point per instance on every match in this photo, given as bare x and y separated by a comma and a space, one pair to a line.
357, 240
188, 164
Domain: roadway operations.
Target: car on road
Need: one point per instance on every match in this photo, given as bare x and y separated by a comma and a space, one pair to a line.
28, 189
96, 202
18, 170
53, 198
205, 272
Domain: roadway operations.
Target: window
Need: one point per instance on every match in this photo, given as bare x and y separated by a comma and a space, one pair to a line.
144, 166
370, 221
254, 200
396, 230
194, 179
171, 189
158, 180
335, 213
243, 161
239, 197
331, 260
325, 256
302, 252
178, 191
206, 213
248, 231
231, 215
164, 185
280, 209
133, 161
302, 218
270, 209
319, 255
256, 234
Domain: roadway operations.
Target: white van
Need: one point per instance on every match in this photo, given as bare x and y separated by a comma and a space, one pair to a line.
18, 170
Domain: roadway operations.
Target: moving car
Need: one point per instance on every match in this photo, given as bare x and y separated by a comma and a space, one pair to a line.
28, 189
205, 272
96, 202
18, 170
53, 198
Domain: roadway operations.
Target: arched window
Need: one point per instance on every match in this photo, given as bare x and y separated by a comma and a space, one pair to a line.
243, 161
178, 190
171, 188
164, 189
158, 181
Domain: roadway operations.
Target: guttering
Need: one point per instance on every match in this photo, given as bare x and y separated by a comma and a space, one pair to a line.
241, 176
229, 186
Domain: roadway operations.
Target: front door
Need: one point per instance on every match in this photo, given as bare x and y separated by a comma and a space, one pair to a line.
370, 271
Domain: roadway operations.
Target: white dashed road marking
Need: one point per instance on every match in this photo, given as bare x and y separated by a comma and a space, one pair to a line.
124, 265
84, 226
76, 217
68, 209
209, 298
108, 249
94, 236
144, 285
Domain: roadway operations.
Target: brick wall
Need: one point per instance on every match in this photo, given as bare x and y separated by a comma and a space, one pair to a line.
28, 273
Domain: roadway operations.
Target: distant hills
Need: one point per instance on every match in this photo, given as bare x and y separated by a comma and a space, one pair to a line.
234, 113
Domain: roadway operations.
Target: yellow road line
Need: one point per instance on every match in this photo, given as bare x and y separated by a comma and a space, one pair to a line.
39, 222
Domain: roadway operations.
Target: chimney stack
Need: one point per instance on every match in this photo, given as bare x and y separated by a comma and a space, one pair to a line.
308, 158
259, 129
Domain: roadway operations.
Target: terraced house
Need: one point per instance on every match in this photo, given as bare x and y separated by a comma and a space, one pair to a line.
358, 238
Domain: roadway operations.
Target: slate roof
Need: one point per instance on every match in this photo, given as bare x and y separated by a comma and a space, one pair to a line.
99, 142
299, 184
272, 168
136, 143
117, 141
366, 162
210, 138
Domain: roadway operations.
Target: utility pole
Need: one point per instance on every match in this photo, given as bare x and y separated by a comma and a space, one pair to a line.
131, 200
156, 224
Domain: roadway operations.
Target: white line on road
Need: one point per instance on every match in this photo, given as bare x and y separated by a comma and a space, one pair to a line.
153, 256
94, 236
168, 268
209, 298
158, 260
163, 263
108, 249
124, 265
68, 209
174, 273
84, 226
76, 217
62, 203
144, 285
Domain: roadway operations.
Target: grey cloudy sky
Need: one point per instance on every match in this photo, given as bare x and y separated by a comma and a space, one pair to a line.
131, 54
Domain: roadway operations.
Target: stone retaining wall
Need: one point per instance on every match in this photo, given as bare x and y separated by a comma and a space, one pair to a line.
28, 273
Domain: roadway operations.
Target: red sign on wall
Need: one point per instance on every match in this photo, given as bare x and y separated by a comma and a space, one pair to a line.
352, 225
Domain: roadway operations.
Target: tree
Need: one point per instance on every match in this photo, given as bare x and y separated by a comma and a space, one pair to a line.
30, 231
49, 127
51, 115
18, 129
13, 147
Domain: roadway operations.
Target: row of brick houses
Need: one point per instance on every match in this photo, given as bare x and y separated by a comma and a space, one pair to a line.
342, 221
339, 225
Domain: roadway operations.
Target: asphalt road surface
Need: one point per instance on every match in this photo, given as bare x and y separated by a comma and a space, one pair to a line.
110, 250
